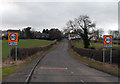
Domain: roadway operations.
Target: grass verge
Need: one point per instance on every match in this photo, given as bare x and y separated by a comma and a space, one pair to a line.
7, 70
113, 70
79, 43
23, 44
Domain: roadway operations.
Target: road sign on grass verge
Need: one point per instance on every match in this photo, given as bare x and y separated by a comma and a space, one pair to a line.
107, 41
12, 40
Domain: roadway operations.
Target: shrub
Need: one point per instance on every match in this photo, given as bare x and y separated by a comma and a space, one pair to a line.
23, 53
97, 54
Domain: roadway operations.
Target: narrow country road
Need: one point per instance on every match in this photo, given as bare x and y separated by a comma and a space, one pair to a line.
59, 66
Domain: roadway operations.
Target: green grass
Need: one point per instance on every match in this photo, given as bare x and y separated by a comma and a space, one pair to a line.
100, 45
79, 43
96, 45
95, 64
23, 44
6, 70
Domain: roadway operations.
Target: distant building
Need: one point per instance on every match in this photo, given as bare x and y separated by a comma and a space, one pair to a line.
5, 33
0, 34
94, 37
115, 34
37, 35
73, 36
17, 31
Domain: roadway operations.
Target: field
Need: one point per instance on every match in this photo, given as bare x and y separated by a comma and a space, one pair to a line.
23, 44
96, 45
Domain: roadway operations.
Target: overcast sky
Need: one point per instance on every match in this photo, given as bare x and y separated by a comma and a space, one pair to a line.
39, 15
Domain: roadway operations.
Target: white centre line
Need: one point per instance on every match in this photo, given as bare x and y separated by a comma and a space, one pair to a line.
82, 81
53, 68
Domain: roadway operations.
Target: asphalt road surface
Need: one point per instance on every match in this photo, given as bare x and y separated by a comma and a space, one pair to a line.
59, 66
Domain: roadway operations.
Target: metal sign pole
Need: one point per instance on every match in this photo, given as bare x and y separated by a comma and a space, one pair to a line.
13, 39
103, 55
9, 54
107, 44
111, 56
16, 55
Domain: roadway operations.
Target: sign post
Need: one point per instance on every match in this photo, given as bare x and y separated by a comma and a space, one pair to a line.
16, 55
107, 40
103, 56
12, 40
9, 54
111, 56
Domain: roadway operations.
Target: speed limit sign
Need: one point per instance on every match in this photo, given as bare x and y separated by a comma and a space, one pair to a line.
107, 40
12, 38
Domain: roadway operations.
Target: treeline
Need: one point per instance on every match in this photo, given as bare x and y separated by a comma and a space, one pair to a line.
52, 34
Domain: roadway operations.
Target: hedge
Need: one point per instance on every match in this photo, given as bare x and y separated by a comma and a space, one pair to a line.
23, 53
114, 42
97, 54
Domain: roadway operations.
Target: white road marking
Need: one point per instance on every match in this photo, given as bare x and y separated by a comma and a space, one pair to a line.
53, 68
82, 81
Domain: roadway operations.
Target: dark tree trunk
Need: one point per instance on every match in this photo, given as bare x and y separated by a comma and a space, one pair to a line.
85, 39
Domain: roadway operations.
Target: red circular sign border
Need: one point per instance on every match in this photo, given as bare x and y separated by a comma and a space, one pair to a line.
110, 40
10, 35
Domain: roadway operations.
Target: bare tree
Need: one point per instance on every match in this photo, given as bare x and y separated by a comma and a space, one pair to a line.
109, 31
99, 33
83, 24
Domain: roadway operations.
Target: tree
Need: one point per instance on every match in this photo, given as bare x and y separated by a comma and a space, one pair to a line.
66, 32
110, 31
45, 31
55, 34
84, 25
28, 33
98, 33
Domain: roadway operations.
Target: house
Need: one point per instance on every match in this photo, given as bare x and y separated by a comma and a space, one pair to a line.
5, 33
92, 36
0, 34
115, 34
17, 31
73, 36
37, 35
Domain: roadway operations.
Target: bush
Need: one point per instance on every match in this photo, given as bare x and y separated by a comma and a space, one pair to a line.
97, 54
23, 53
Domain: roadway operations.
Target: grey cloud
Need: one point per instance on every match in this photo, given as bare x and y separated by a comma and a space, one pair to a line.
56, 14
